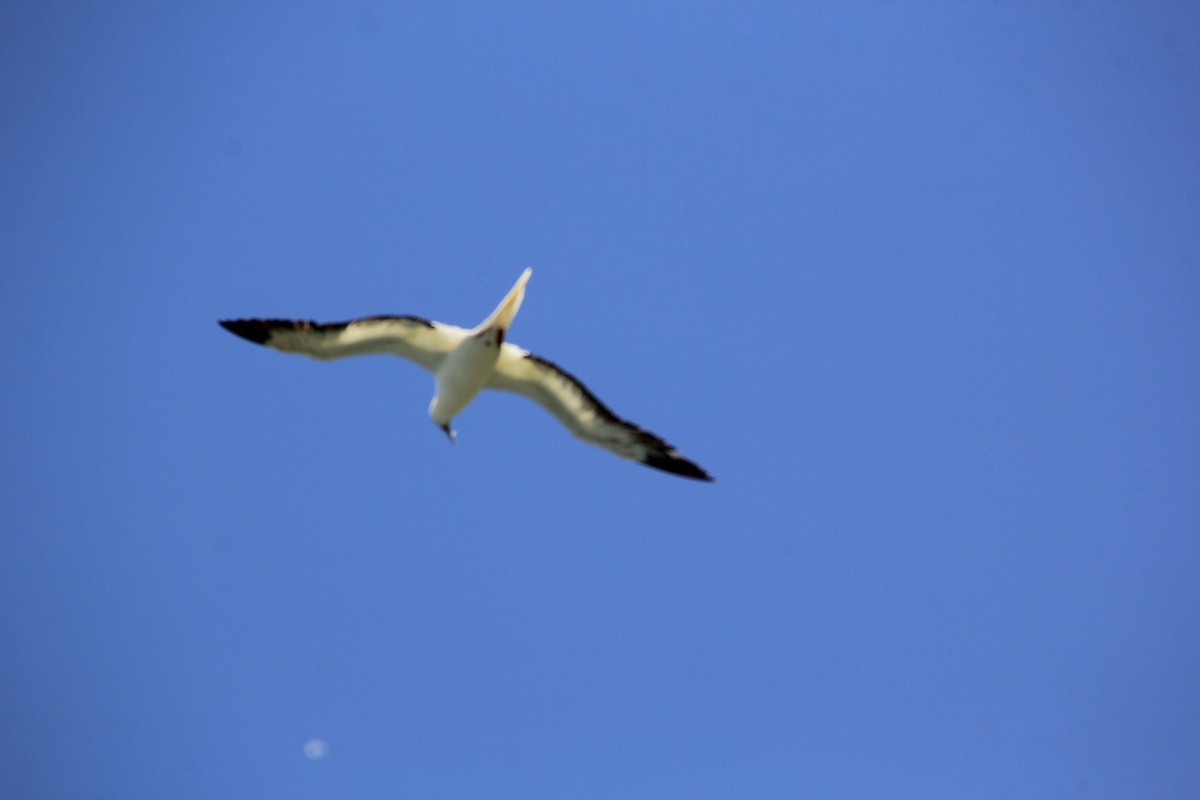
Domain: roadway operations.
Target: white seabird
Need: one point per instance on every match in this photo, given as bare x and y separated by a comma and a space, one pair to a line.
464, 363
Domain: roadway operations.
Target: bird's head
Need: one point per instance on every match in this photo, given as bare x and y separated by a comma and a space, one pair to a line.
440, 419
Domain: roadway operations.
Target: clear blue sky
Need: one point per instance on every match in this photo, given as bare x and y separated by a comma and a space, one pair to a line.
918, 282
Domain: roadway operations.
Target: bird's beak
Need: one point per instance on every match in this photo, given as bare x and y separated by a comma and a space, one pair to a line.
446, 429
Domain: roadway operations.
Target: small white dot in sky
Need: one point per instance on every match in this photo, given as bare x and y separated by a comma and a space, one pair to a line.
315, 749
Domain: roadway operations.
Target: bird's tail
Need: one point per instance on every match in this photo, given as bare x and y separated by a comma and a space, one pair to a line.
502, 317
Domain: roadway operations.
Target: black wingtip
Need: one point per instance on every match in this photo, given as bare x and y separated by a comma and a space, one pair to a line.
671, 462
253, 330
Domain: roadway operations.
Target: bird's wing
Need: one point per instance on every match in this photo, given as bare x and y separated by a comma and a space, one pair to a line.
582, 413
419, 340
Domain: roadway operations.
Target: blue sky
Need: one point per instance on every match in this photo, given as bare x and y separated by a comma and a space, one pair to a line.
918, 282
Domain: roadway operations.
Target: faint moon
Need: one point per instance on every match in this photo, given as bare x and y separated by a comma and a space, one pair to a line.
315, 749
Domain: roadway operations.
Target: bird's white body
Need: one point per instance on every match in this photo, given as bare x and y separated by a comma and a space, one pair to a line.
463, 374
464, 363
466, 370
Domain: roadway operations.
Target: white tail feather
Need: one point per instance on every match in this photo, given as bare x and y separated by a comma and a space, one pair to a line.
502, 317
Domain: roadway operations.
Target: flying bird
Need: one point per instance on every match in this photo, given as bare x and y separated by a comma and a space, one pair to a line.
464, 363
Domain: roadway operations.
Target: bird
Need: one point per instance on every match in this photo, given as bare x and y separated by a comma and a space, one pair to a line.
464, 363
